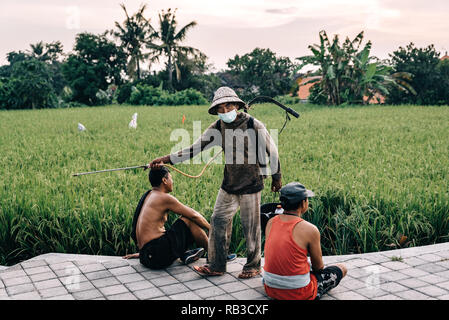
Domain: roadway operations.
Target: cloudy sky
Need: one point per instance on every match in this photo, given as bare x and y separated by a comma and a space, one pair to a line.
230, 27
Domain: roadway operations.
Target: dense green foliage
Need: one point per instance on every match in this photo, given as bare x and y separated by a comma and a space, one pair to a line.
287, 99
32, 79
193, 73
104, 68
347, 74
95, 64
316, 95
430, 76
260, 72
28, 87
52, 54
149, 95
99, 71
124, 92
378, 172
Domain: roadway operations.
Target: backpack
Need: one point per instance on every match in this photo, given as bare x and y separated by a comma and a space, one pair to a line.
136, 216
267, 211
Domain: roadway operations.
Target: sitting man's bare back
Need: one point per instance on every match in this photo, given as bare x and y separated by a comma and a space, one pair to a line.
158, 248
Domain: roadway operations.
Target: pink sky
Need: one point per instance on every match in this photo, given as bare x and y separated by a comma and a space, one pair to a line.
226, 28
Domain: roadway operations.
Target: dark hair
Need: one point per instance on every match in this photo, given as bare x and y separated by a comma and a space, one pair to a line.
155, 176
290, 206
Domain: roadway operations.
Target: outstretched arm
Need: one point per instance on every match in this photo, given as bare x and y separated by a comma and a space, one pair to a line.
210, 138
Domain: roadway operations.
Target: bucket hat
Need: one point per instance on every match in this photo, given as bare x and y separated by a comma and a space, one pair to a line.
224, 95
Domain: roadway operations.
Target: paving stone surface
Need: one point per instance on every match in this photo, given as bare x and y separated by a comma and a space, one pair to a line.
420, 273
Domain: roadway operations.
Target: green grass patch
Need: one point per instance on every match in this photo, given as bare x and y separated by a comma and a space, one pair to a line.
379, 173
398, 259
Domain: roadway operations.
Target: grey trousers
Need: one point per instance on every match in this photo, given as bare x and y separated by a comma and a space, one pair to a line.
220, 233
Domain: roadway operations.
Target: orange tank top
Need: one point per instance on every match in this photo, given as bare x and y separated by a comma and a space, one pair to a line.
286, 261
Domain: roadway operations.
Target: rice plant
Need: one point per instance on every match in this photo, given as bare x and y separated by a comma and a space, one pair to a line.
380, 173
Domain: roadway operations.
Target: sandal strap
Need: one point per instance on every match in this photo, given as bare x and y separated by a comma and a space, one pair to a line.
206, 271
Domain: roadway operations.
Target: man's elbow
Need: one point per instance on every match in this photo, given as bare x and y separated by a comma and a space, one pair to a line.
319, 267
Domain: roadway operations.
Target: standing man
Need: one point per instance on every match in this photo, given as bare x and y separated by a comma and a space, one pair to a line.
245, 140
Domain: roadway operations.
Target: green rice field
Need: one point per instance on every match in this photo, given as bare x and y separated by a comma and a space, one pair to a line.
380, 173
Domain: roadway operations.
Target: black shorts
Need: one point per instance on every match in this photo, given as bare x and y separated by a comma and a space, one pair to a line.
161, 252
327, 279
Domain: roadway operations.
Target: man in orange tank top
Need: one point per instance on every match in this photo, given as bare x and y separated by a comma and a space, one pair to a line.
289, 239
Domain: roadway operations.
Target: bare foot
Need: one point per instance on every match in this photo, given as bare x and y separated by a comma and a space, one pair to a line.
246, 274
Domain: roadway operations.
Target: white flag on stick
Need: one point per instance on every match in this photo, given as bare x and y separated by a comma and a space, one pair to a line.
133, 123
81, 127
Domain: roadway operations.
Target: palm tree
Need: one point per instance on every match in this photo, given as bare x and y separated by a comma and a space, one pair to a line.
46, 51
37, 50
135, 32
170, 43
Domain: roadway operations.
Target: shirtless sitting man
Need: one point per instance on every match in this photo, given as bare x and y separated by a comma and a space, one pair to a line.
158, 248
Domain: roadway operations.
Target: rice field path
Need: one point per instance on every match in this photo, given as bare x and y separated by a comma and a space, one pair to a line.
418, 273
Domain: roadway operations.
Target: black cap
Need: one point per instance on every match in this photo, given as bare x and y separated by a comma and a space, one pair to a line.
294, 192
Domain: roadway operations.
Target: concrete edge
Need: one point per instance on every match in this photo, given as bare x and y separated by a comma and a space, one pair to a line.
403, 253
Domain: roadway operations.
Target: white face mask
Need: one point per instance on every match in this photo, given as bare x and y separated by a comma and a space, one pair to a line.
228, 117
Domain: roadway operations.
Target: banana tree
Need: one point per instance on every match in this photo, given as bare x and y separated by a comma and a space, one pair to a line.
348, 74
334, 62
372, 77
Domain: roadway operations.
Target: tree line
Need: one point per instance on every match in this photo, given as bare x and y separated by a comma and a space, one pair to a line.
115, 67
346, 73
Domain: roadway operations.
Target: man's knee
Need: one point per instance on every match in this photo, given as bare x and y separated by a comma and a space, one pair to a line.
343, 268
218, 221
187, 221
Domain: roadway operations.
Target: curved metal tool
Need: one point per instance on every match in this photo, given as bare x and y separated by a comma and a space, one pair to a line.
268, 99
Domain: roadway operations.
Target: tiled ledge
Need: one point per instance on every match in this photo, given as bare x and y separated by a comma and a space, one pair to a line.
413, 274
